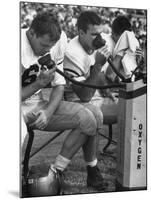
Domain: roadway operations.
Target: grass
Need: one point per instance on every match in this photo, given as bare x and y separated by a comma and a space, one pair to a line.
75, 175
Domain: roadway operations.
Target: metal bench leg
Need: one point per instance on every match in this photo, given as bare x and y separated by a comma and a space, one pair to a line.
27, 154
109, 139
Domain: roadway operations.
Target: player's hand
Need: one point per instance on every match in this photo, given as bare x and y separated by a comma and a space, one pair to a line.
139, 55
45, 77
42, 120
109, 94
139, 52
100, 59
104, 51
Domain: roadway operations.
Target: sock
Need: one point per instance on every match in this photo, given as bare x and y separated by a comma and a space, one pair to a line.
92, 163
61, 163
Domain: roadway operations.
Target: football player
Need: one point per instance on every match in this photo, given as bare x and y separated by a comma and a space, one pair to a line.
44, 37
84, 61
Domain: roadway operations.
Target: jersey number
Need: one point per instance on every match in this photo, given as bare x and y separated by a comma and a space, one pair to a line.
30, 75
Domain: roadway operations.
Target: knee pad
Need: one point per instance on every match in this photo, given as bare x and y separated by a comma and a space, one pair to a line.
97, 114
87, 122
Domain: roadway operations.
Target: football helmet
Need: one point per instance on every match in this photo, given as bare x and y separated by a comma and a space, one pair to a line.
49, 185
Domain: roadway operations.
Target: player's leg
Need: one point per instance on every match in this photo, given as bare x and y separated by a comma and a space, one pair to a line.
77, 118
90, 147
94, 177
84, 120
83, 135
67, 116
83, 125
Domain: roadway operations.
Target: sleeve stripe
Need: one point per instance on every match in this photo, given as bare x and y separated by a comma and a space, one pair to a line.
73, 72
75, 67
60, 62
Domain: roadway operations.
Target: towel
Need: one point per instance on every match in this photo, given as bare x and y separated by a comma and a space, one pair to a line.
126, 47
126, 41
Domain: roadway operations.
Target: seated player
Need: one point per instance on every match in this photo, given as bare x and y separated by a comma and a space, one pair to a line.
124, 48
83, 61
45, 36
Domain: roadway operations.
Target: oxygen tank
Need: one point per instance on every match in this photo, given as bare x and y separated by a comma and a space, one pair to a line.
131, 142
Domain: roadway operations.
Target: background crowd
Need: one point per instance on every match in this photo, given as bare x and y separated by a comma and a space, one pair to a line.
67, 15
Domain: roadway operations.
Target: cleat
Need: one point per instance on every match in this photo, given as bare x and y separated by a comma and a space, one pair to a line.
95, 179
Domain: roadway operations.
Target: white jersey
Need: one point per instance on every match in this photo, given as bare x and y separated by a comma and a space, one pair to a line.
125, 47
79, 57
57, 52
77, 63
28, 58
81, 60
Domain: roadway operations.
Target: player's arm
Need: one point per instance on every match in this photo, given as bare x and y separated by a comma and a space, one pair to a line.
44, 115
96, 77
99, 57
57, 91
110, 74
29, 90
55, 97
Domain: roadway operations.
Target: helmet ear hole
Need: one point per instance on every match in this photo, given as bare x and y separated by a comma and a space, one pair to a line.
43, 186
